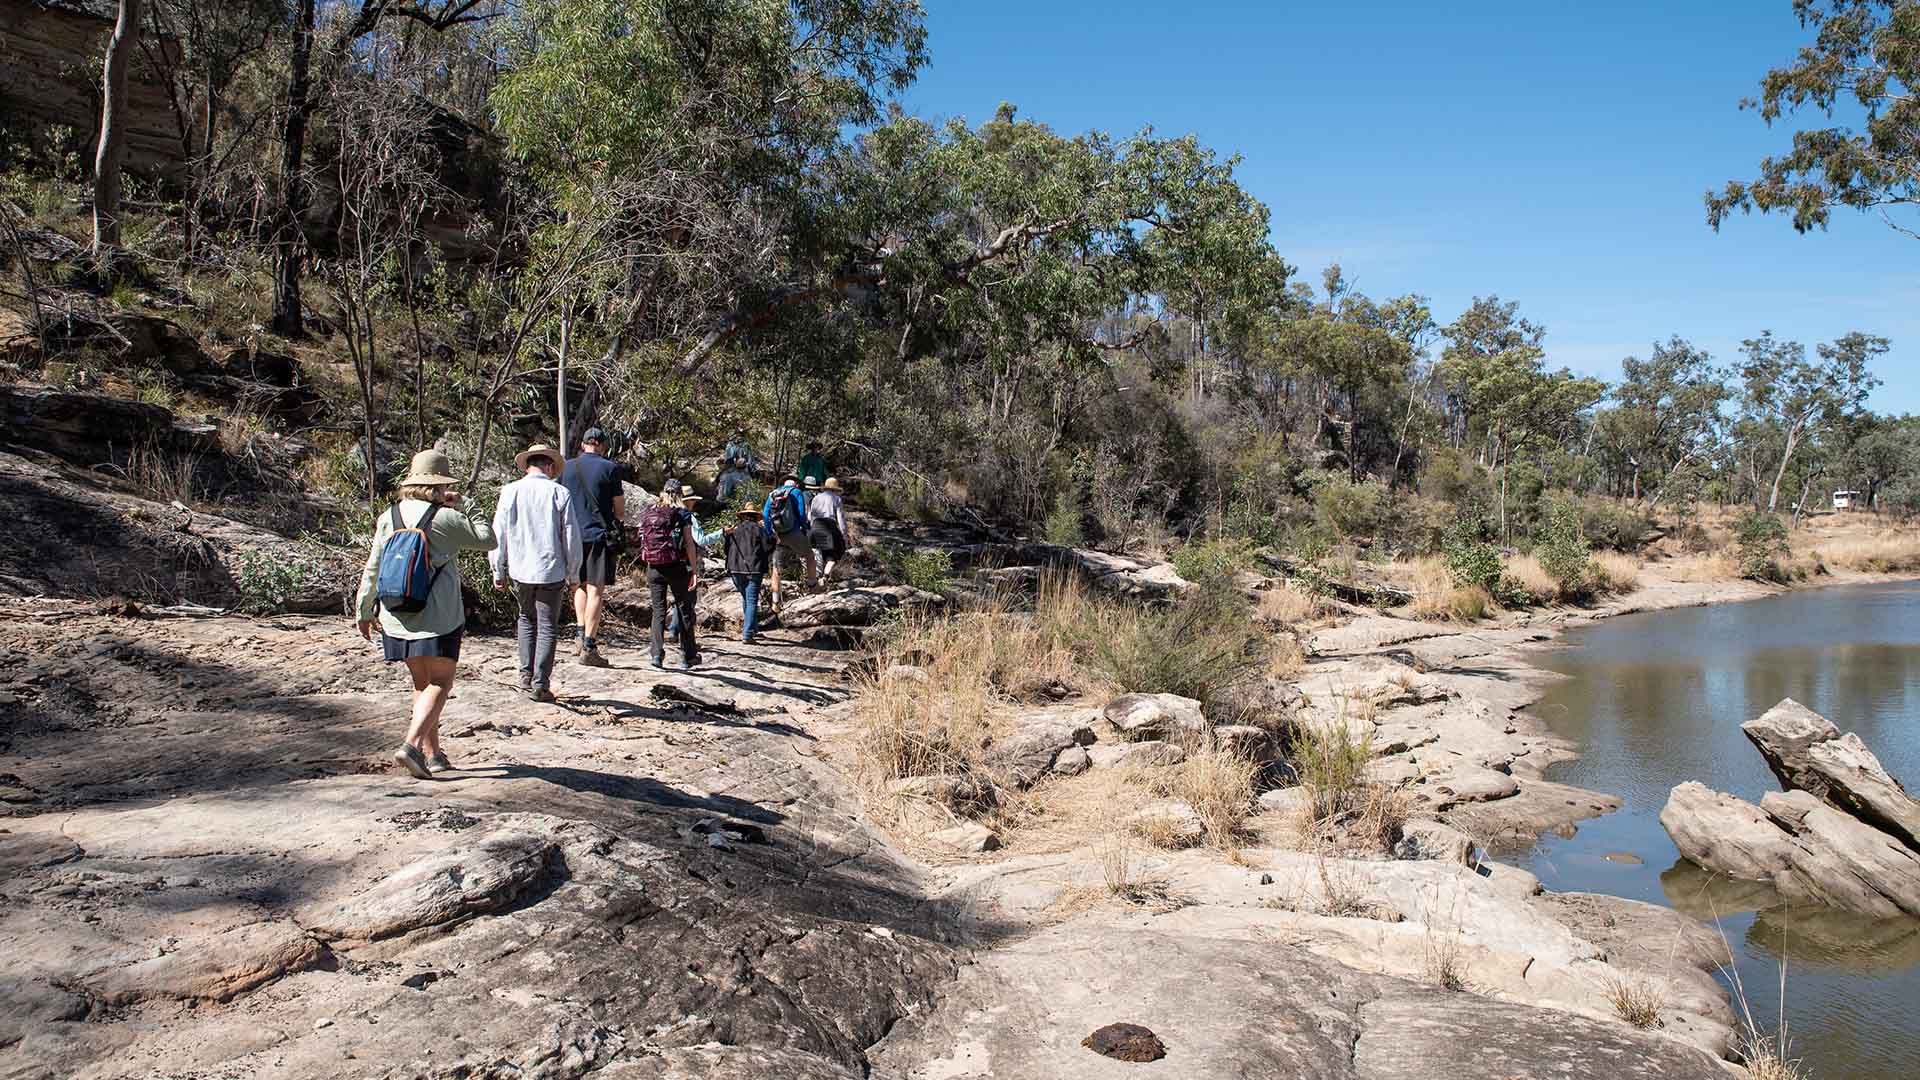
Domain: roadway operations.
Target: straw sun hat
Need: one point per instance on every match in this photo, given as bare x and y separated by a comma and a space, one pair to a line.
832, 484
542, 449
430, 468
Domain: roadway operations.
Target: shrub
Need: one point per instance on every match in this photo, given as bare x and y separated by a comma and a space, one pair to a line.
1062, 526
1760, 543
1562, 548
1472, 559
1614, 526
1352, 509
1469, 604
1197, 645
1345, 807
1212, 560
1526, 583
927, 569
267, 582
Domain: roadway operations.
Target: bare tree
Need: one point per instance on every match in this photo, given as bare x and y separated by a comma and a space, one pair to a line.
113, 127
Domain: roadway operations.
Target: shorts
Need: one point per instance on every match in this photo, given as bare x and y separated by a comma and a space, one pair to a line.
598, 563
791, 550
447, 645
827, 539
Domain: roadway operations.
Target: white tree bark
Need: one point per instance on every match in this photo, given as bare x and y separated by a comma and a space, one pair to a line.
113, 127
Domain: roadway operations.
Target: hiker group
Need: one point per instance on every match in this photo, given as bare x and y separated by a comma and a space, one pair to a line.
562, 528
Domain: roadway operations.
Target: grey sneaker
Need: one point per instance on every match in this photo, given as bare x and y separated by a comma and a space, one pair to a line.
412, 760
439, 762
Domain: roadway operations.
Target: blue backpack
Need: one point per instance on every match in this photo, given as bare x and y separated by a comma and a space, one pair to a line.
407, 573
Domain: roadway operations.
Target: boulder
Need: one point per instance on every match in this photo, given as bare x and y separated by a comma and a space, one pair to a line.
1844, 862
451, 884
1286, 800
215, 968
1037, 741
855, 607
1151, 754
969, 837
962, 793
1725, 834
1173, 824
1782, 734
1255, 744
1468, 784
1072, 761
1139, 717
1261, 700
1423, 839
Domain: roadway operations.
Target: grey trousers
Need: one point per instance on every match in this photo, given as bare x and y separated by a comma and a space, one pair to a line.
539, 618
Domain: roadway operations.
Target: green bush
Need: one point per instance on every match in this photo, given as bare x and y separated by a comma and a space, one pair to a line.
1613, 526
1194, 647
268, 581
928, 569
1062, 526
1213, 560
1760, 542
1562, 548
1352, 509
1471, 557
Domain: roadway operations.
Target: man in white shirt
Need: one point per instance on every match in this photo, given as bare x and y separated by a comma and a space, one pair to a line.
538, 556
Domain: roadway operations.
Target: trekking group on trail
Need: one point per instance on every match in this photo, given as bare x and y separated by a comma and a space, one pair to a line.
561, 529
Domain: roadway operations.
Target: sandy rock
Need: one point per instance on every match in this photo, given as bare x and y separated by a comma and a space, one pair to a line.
1173, 820
1149, 754
969, 837
1261, 700
1725, 834
1286, 800
1155, 716
1422, 839
31, 851
1072, 761
1254, 744
467, 879
1037, 741
854, 607
1782, 734
215, 968
953, 792
717, 1062
1843, 861
1468, 784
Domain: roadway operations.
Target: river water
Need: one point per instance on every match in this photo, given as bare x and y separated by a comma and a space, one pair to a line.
1658, 698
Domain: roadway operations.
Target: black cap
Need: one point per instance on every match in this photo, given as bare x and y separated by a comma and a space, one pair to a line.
594, 434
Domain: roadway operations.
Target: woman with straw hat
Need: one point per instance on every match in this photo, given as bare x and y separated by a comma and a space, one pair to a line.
827, 526
426, 640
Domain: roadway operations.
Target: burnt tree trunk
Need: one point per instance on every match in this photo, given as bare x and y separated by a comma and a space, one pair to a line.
113, 127
289, 246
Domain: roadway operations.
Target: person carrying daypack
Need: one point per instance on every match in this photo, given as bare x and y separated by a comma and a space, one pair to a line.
673, 567
410, 588
750, 550
785, 516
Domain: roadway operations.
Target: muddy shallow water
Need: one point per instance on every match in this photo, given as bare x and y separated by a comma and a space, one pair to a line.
1658, 698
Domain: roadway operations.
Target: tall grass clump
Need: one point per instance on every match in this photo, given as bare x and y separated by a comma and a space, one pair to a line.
1218, 785
1345, 807
1192, 647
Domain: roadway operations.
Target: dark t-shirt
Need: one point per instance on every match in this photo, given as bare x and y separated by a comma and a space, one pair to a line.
813, 466
594, 481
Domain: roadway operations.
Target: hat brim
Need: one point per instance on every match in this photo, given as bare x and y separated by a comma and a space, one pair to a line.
427, 480
520, 458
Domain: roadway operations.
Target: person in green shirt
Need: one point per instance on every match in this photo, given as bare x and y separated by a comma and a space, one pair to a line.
813, 465
428, 640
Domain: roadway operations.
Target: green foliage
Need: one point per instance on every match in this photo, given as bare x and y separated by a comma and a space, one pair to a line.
1619, 526
1213, 561
1062, 526
929, 569
1352, 509
267, 581
1562, 549
1194, 647
1472, 558
1760, 543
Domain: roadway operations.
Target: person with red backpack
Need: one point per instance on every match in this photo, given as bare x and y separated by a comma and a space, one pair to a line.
410, 588
673, 567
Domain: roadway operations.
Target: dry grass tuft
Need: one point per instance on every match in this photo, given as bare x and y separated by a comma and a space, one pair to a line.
1345, 808
1284, 605
1636, 998
1707, 566
1469, 604
1532, 578
1615, 573
1890, 552
1219, 787
1443, 949
1427, 579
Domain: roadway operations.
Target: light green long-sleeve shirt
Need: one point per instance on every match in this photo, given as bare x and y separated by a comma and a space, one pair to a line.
450, 533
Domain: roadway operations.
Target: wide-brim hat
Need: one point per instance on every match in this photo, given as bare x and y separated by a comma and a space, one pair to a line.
813, 483
748, 512
541, 449
832, 484
693, 497
429, 468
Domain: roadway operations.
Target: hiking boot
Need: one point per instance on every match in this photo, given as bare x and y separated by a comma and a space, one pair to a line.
542, 695
439, 763
689, 665
412, 760
659, 663
592, 658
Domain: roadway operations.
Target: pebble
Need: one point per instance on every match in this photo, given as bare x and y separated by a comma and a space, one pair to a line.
323, 1023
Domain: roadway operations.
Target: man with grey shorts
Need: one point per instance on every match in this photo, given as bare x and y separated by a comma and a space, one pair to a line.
785, 515
538, 556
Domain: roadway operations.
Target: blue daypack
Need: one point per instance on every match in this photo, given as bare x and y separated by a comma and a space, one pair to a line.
407, 573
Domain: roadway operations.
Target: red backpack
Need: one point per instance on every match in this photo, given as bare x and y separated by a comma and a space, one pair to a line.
662, 539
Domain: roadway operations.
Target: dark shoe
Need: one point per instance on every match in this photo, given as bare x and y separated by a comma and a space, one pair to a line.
673, 639
689, 665
542, 695
439, 763
412, 760
659, 663
592, 658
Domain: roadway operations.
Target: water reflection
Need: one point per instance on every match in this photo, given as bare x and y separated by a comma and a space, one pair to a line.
1658, 699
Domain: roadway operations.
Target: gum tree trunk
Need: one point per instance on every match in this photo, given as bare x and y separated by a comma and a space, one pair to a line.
113, 127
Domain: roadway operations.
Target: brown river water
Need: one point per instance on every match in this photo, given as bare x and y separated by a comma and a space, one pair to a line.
1658, 698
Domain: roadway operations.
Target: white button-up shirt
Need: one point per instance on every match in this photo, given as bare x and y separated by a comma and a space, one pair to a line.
538, 532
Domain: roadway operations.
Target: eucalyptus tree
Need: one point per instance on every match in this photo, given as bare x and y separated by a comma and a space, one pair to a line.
1666, 417
1864, 60
1488, 337
1789, 395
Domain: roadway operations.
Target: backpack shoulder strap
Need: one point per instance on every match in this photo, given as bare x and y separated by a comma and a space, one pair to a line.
397, 525
426, 519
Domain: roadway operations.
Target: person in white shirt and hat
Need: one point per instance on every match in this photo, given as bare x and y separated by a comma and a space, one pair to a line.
538, 557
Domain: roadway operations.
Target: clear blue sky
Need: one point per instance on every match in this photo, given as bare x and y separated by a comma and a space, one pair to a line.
1552, 153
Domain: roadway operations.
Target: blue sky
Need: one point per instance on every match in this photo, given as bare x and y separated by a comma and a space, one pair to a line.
1550, 153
